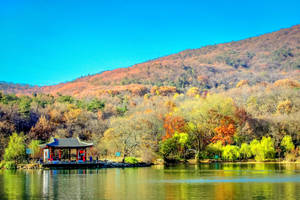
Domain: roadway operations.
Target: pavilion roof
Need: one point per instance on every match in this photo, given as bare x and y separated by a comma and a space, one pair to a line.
66, 143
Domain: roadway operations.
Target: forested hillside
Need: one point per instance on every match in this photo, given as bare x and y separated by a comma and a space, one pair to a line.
266, 58
239, 100
17, 88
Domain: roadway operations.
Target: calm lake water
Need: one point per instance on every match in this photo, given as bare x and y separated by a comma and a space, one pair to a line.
205, 181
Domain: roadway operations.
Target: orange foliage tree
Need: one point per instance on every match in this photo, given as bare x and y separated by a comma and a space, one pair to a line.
224, 132
173, 124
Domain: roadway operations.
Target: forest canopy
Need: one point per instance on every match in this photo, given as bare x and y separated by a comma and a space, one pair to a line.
259, 122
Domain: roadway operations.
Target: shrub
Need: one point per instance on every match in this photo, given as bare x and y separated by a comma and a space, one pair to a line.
131, 160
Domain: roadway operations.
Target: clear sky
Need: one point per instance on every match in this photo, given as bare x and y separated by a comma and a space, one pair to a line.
46, 42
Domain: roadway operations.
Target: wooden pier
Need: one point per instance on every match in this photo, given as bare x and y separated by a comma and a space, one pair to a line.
91, 165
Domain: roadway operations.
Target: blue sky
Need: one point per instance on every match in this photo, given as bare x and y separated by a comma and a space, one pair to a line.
51, 41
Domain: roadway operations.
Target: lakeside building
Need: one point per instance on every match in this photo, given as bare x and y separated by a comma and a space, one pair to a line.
59, 149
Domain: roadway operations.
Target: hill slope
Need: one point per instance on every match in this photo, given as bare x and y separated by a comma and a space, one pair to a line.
265, 58
18, 88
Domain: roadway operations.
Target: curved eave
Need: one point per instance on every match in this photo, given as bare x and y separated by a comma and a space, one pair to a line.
83, 146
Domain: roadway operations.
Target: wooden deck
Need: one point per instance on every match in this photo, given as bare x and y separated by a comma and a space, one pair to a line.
90, 165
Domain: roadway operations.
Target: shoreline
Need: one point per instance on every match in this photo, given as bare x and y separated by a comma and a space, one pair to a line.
105, 165
194, 162
98, 165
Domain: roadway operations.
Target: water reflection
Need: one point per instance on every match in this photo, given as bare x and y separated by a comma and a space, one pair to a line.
207, 181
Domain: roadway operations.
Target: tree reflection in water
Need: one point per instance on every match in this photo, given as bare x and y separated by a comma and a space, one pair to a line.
207, 181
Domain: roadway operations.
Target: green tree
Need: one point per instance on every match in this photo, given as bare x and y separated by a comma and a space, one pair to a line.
168, 148
35, 149
245, 151
267, 144
214, 149
182, 139
256, 150
231, 152
95, 105
24, 105
174, 147
263, 149
287, 143
197, 136
15, 150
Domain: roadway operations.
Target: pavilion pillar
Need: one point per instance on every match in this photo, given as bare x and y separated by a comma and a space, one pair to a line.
69, 154
84, 154
76, 154
50, 151
59, 154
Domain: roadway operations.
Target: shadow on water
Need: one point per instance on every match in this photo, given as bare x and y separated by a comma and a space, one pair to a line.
208, 181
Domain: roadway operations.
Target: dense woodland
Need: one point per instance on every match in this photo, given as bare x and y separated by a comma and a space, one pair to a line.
260, 122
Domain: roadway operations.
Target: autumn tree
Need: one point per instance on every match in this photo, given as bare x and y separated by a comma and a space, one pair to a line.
42, 129
208, 117
173, 124
225, 133
124, 137
198, 136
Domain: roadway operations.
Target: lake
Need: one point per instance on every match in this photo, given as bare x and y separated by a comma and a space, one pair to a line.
205, 181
